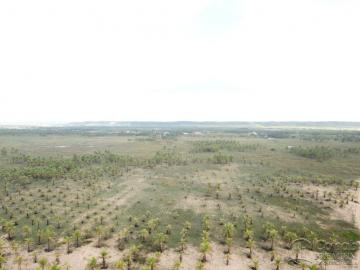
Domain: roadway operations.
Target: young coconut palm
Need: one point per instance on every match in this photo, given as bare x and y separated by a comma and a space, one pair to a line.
277, 262
67, 240
2, 246
183, 239
205, 247
227, 258
325, 259
303, 265
144, 235
248, 234
250, 244
200, 266
228, 230
103, 255
229, 242
55, 266
314, 267
272, 235
177, 265
255, 265
92, 263
49, 236
152, 224
297, 249
2, 260
43, 262
9, 228
19, 260
160, 240
120, 265
28, 242
77, 236
26, 231
289, 238
99, 231
152, 260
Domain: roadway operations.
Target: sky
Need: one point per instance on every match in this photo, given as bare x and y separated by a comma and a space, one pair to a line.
194, 60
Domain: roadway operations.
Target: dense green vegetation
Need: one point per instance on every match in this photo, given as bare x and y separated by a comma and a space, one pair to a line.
317, 152
221, 145
322, 153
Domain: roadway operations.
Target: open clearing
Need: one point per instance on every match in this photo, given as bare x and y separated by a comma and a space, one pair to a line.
200, 199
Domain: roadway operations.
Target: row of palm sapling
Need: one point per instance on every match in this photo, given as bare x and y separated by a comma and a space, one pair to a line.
158, 240
44, 220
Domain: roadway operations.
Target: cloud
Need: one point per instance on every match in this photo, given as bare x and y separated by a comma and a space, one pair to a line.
179, 60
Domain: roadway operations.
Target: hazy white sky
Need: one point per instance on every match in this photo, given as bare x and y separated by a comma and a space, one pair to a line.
166, 60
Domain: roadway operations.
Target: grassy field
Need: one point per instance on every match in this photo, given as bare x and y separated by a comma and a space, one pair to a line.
214, 199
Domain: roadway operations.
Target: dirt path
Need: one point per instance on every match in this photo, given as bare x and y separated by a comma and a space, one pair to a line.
132, 186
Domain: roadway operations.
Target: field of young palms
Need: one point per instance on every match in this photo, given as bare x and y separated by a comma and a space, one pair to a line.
180, 199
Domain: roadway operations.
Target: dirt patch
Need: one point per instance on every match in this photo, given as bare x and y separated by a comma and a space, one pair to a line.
198, 205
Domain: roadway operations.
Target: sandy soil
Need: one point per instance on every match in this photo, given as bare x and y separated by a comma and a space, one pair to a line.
238, 260
356, 211
350, 213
